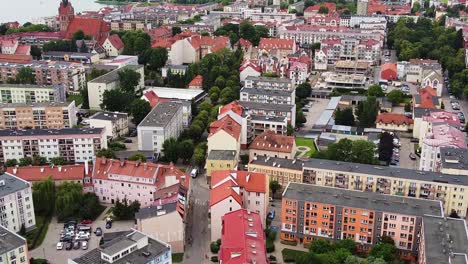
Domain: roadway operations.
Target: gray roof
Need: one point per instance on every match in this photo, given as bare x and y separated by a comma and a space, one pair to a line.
420, 112
454, 158
108, 115
12, 184
268, 107
451, 232
268, 79
9, 241
113, 76
154, 248
35, 104
364, 200
269, 92
161, 115
155, 211
48, 132
279, 119
222, 155
397, 173
62, 53
22, 86
279, 163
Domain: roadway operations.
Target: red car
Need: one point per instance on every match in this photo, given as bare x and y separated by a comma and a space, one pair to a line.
86, 222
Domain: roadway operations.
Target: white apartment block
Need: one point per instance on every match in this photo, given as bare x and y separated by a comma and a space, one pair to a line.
349, 49
25, 93
163, 122
13, 248
115, 123
16, 204
73, 144
110, 81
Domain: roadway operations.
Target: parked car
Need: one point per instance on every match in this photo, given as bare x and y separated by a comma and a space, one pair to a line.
395, 150
271, 214
59, 245
84, 245
412, 156
194, 173
86, 222
76, 245
108, 225
98, 231
68, 245
128, 140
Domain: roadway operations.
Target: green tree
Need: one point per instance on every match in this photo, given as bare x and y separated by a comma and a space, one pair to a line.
274, 187
67, 202
58, 161
385, 147
290, 130
407, 107
38, 160
199, 154
26, 161
367, 111
84, 95
300, 118
176, 30
323, 10
105, 153
125, 210
388, 252
11, 163
363, 151
154, 58
137, 157
139, 109
344, 117
186, 149
347, 244
171, 150
36, 52
416, 8
375, 90
44, 196
128, 80
396, 97
25, 76
116, 100
320, 246
303, 90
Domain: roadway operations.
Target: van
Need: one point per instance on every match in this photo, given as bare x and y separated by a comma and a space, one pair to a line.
194, 173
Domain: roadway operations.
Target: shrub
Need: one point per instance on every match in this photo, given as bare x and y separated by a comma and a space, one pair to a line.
214, 259
270, 246
271, 257
214, 247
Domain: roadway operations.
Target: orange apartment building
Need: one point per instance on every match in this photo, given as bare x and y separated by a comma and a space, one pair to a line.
309, 212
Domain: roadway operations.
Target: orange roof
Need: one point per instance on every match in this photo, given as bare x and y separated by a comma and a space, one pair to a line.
426, 97
224, 191
158, 172
389, 66
274, 43
116, 41
331, 7
196, 82
244, 43
15, 58
394, 118
215, 43
250, 181
428, 90
96, 28
58, 173
228, 125
270, 141
233, 106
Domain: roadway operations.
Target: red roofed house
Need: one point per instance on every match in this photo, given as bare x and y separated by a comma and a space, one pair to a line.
284, 46
426, 98
249, 68
313, 10
97, 28
232, 190
242, 238
15, 58
270, 144
196, 83
388, 72
236, 112
78, 173
153, 99
113, 45
140, 181
244, 44
394, 122
193, 49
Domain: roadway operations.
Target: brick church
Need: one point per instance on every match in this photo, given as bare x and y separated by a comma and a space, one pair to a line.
98, 29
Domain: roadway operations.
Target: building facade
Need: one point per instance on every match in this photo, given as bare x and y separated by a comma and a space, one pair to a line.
115, 123
24, 93
281, 170
13, 248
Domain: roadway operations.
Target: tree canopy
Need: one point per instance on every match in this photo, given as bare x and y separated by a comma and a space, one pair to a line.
359, 151
245, 30
345, 117
367, 112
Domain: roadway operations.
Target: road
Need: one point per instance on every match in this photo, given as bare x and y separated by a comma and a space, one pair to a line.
198, 227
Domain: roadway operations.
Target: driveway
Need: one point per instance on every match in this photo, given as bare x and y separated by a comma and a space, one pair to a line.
316, 109
407, 147
48, 248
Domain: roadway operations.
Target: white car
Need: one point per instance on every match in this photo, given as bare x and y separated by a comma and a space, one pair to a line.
59, 245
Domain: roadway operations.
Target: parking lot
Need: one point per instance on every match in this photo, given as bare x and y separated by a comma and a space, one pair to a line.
48, 249
317, 106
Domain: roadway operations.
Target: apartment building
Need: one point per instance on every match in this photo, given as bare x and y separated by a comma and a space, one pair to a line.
129, 25
452, 190
163, 122
26, 93
268, 90
350, 48
69, 74
224, 135
423, 123
310, 211
13, 248
195, 48
221, 160
232, 190
51, 115
110, 81
270, 144
115, 123
453, 161
137, 181
281, 170
128, 247
73, 144
243, 238
16, 204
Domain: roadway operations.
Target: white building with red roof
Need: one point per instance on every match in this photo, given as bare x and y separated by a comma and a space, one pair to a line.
423, 124
298, 72
194, 48
242, 239
284, 46
249, 68
270, 144
224, 134
394, 122
233, 190
113, 45
236, 112
147, 183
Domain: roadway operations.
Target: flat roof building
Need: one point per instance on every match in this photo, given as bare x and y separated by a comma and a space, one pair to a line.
13, 248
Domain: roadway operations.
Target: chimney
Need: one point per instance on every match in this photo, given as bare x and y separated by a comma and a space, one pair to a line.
86, 167
42, 169
15, 169
59, 168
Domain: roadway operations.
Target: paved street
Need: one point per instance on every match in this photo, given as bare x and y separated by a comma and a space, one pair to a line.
48, 248
198, 224
407, 147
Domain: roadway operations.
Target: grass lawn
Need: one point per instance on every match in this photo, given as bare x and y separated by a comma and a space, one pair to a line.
36, 237
290, 255
177, 257
308, 142
77, 98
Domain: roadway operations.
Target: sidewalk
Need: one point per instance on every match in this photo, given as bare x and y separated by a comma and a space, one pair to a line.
279, 247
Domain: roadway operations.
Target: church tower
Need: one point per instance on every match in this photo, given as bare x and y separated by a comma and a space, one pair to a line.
66, 15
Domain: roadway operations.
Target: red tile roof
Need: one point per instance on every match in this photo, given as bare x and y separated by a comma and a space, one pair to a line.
96, 28
228, 125
197, 82
427, 95
393, 118
270, 141
23, 50
215, 43
154, 99
273, 43
315, 8
233, 106
223, 191
15, 58
242, 238
244, 43
251, 64
58, 173
116, 41
388, 71
250, 181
